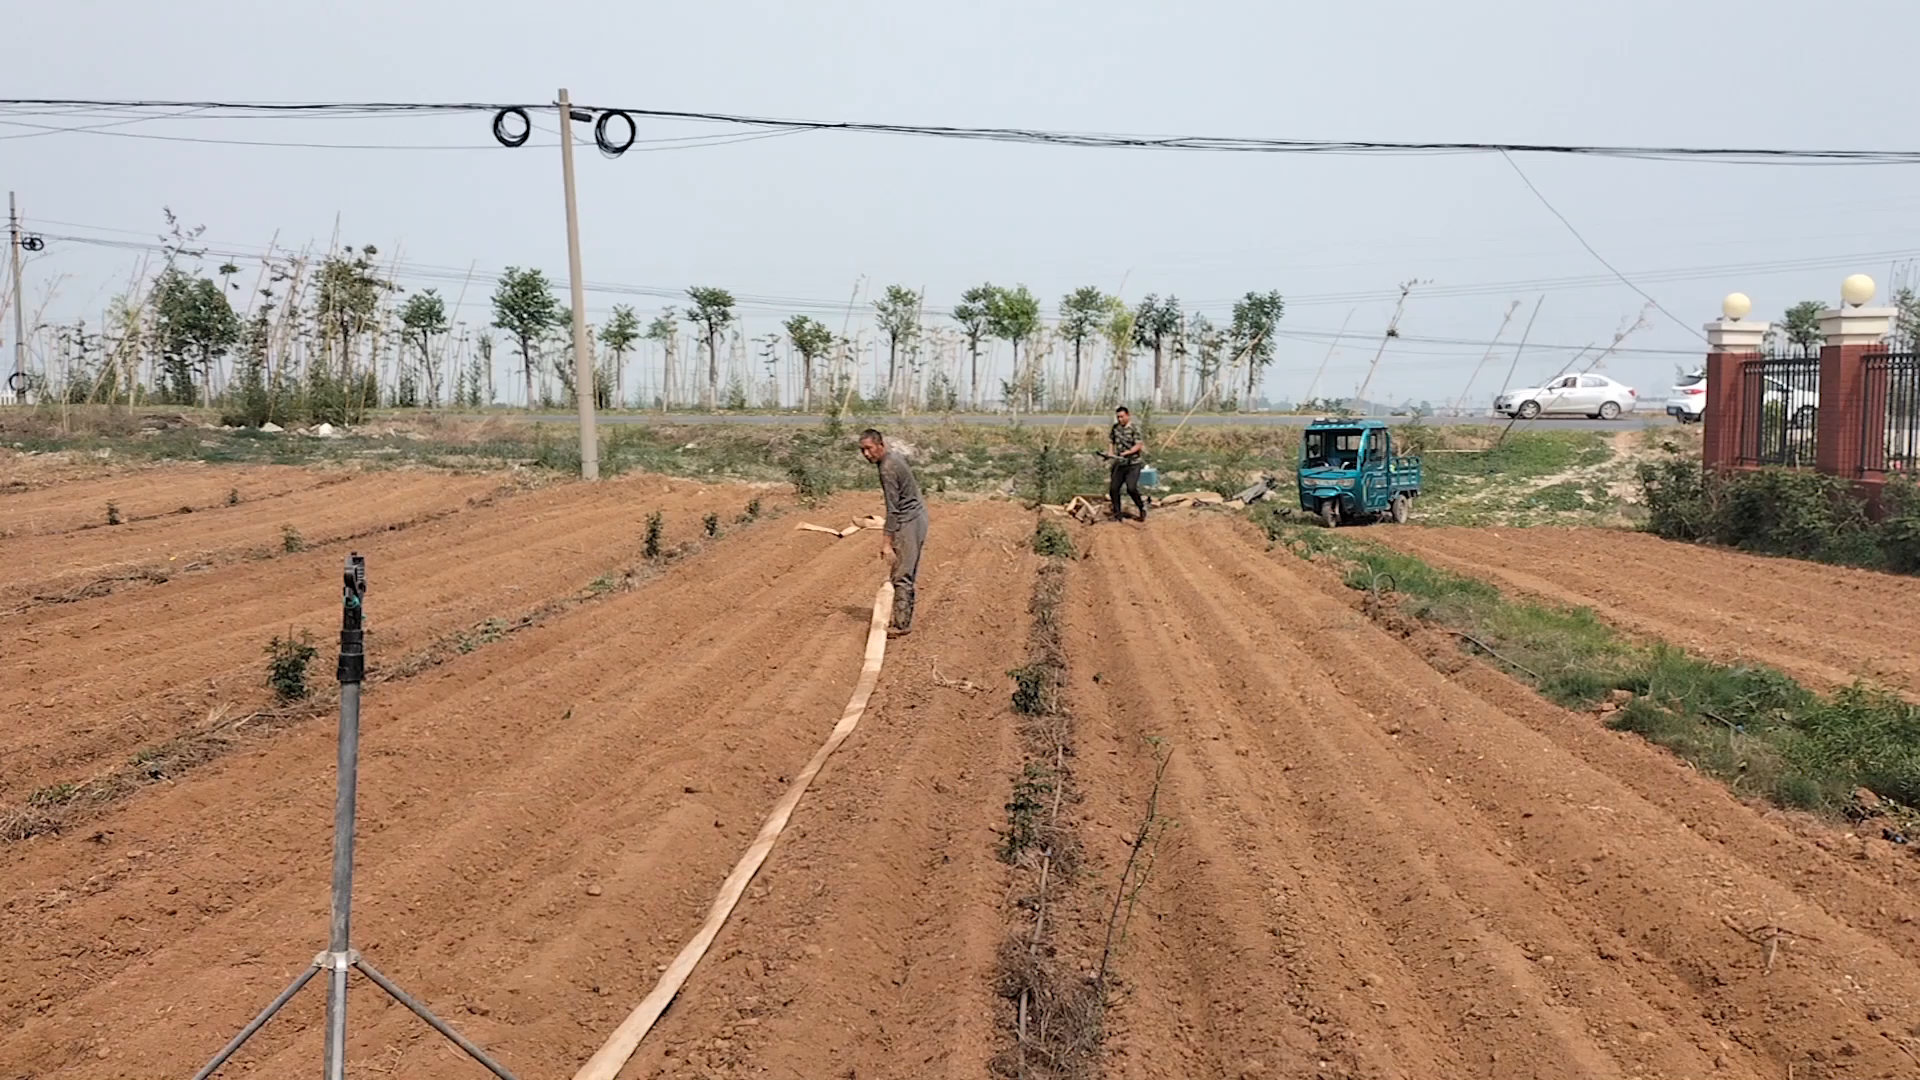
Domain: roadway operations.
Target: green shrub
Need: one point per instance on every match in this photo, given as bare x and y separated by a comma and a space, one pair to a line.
287, 660
1051, 538
1792, 512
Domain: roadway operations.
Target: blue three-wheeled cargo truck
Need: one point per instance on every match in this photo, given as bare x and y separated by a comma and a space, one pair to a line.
1348, 472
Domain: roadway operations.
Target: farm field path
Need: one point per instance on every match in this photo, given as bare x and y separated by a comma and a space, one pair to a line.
1826, 625
1381, 871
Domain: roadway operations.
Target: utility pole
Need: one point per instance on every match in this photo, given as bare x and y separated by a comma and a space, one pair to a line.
584, 385
1393, 331
1460, 402
19, 381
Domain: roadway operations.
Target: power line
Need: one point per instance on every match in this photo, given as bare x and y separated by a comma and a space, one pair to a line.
1647, 296
1028, 136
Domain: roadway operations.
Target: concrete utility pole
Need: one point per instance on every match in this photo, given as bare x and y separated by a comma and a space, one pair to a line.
583, 379
19, 381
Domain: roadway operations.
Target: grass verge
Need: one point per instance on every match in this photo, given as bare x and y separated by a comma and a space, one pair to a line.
1753, 727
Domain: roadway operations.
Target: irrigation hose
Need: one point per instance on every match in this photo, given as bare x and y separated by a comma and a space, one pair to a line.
620, 1046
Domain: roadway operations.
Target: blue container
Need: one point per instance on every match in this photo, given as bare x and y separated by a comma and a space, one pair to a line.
1149, 476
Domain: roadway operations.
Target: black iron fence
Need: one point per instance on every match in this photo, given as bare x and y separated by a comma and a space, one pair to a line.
1779, 410
1890, 415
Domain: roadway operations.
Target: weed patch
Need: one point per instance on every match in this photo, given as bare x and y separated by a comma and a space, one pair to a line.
656, 530
1753, 727
1052, 539
1054, 1011
291, 541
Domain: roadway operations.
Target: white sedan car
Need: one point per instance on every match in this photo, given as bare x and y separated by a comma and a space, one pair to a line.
1594, 396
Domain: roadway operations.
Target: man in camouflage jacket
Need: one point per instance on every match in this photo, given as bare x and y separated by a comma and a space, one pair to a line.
1129, 454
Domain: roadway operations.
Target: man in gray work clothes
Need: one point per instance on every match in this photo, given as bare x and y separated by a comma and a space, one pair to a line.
906, 528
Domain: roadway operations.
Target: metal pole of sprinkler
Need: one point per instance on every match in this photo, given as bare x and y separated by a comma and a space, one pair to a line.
340, 957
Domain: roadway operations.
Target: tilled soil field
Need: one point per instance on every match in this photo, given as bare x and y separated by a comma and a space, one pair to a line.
1384, 871
1373, 869
1827, 625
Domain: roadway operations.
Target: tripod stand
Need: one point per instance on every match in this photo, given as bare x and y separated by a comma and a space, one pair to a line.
341, 957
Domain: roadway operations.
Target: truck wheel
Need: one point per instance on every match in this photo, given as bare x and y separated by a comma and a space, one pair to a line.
1610, 410
1330, 512
1400, 508
1528, 410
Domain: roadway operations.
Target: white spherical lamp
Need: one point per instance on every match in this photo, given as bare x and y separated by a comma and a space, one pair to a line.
1736, 306
1857, 290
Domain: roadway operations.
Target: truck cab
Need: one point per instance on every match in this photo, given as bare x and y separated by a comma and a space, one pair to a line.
1348, 472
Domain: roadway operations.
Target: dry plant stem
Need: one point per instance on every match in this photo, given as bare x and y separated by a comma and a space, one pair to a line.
1121, 894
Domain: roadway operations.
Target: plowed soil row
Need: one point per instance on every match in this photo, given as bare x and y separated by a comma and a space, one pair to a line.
78, 504
1384, 871
93, 680
1826, 625
37, 570
543, 825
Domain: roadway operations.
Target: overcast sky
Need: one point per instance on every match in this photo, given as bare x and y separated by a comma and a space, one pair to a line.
803, 216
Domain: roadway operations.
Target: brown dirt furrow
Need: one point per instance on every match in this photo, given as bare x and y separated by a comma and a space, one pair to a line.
1447, 889
37, 570
541, 828
149, 493
867, 944
1731, 606
631, 746
194, 647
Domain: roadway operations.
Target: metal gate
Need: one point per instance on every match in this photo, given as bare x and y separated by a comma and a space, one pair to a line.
1890, 415
1779, 411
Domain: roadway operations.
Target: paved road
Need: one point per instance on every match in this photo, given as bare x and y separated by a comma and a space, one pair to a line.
1631, 421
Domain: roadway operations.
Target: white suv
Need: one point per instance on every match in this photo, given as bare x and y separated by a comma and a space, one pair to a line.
1689, 401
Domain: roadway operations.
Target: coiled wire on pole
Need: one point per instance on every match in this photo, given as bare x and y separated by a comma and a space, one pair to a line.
607, 137
609, 147
507, 138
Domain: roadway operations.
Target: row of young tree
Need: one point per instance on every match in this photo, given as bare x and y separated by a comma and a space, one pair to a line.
329, 339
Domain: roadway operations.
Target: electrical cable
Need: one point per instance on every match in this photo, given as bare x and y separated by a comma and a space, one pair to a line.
1647, 296
1030, 136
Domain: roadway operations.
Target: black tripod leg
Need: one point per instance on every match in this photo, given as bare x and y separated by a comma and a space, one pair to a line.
258, 1023
435, 1022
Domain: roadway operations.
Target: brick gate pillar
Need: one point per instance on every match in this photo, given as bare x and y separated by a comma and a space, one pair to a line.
1730, 343
1848, 334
